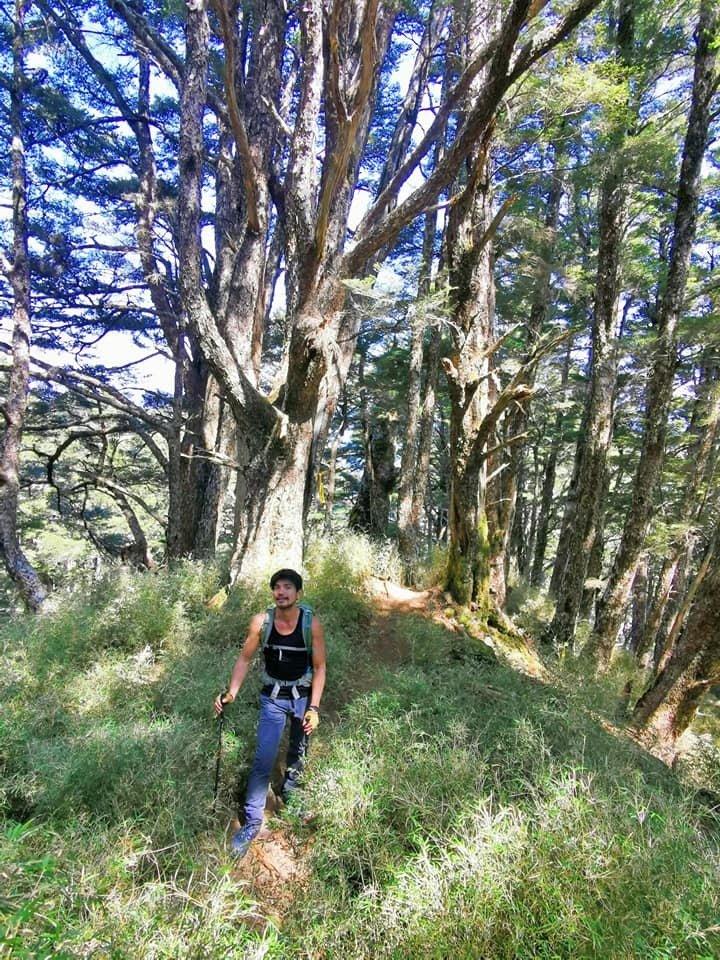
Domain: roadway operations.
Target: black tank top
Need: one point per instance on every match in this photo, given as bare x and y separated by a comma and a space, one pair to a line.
286, 657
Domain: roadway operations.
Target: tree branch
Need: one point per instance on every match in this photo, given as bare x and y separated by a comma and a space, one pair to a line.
349, 121
516, 390
93, 389
380, 227
236, 121
549, 38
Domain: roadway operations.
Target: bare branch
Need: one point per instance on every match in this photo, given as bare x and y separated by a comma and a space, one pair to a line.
236, 121
496, 221
162, 53
380, 227
348, 120
517, 391
549, 38
93, 388
106, 484
494, 347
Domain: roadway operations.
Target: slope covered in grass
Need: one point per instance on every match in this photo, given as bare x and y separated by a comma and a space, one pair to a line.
460, 809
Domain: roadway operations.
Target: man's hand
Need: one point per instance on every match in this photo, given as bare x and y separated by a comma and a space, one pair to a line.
311, 720
221, 701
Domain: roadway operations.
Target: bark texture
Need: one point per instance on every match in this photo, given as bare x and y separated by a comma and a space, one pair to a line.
660, 384
667, 708
14, 408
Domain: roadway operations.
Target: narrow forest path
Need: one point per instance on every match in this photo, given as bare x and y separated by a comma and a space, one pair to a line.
275, 867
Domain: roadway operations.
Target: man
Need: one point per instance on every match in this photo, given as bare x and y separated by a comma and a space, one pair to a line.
294, 679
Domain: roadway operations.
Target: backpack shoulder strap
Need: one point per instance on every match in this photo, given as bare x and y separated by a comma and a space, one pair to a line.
307, 619
306, 614
267, 626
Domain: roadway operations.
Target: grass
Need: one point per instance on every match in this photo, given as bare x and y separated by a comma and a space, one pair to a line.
462, 810
512, 832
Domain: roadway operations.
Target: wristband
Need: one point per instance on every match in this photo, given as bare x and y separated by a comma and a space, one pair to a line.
315, 709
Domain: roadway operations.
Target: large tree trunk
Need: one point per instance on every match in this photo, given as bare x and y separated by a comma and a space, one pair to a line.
270, 505
477, 402
468, 243
18, 273
667, 708
660, 386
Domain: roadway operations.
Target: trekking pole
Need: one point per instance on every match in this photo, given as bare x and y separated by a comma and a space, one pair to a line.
218, 755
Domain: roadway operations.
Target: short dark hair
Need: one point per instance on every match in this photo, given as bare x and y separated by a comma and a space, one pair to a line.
292, 575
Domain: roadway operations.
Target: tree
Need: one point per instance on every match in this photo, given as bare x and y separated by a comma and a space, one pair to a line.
508, 472
198, 443
667, 708
17, 270
244, 133
664, 362
687, 520
275, 488
584, 506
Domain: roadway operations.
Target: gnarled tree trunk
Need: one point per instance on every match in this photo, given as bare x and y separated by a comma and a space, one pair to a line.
341, 50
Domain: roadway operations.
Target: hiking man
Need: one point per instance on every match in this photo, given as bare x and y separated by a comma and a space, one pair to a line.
293, 648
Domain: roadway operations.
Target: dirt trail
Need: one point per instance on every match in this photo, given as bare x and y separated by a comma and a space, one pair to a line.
275, 866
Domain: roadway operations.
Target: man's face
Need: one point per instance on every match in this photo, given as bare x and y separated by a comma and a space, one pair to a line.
285, 594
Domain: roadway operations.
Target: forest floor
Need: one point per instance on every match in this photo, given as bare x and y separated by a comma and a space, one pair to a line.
276, 866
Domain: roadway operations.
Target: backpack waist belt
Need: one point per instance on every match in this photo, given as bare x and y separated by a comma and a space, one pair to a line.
295, 688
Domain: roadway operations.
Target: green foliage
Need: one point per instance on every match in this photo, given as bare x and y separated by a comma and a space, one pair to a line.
460, 809
530, 607
479, 815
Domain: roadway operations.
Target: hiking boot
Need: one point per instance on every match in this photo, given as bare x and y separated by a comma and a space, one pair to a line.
288, 790
240, 843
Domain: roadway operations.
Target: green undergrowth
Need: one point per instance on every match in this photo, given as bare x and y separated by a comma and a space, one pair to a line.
460, 809
474, 814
